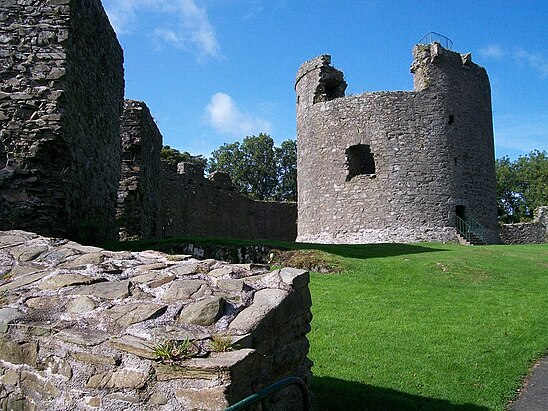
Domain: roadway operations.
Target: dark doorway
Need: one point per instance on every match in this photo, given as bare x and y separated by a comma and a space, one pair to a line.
460, 211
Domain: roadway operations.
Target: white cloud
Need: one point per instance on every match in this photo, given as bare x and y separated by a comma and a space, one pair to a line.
492, 51
521, 132
185, 25
225, 116
122, 14
522, 57
534, 60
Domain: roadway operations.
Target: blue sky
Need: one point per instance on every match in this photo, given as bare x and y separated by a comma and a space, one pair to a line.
214, 71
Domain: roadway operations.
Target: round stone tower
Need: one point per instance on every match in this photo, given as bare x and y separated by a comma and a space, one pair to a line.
397, 166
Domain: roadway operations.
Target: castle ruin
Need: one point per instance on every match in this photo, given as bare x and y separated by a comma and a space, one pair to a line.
61, 96
396, 166
77, 161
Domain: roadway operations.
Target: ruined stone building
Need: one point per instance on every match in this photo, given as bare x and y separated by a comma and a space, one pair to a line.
78, 162
61, 95
383, 166
156, 199
396, 166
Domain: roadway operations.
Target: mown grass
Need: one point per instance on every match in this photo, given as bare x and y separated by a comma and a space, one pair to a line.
424, 326
451, 327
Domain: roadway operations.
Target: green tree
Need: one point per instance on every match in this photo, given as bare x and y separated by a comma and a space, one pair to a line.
173, 156
258, 168
522, 186
286, 157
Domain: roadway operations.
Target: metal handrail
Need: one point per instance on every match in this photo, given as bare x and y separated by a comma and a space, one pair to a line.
262, 396
470, 228
433, 37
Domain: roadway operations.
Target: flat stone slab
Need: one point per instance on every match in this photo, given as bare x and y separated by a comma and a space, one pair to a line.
128, 314
27, 253
12, 239
204, 312
184, 269
235, 285
181, 290
56, 282
51, 302
124, 378
7, 315
129, 343
87, 338
221, 272
80, 304
83, 260
108, 290
295, 277
24, 280
216, 367
264, 301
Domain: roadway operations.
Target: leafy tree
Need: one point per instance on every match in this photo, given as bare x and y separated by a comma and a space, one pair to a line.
258, 168
287, 171
522, 186
173, 156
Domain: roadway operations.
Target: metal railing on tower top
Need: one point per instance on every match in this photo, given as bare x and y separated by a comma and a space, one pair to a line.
433, 37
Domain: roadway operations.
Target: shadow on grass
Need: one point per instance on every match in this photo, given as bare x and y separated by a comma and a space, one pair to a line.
332, 394
363, 251
366, 250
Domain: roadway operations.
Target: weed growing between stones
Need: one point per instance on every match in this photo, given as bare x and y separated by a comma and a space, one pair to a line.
171, 350
221, 343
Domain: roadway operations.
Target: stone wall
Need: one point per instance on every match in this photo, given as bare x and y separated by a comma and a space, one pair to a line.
138, 210
156, 199
61, 96
86, 328
395, 166
193, 205
526, 233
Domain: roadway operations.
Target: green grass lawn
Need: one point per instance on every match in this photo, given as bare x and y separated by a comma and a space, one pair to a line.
428, 327
424, 326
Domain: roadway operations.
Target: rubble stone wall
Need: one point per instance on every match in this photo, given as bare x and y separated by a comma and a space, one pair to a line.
138, 210
61, 95
156, 199
193, 205
84, 328
526, 233
395, 166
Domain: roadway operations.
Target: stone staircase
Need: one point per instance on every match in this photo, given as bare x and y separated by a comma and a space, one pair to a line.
470, 239
469, 232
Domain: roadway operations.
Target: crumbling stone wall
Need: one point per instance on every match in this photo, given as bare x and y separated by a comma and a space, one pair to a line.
395, 166
61, 94
138, 210
79, 326
156, 199
535, 231
193, 205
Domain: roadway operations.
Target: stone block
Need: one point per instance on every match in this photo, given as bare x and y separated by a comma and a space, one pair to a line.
204, 312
